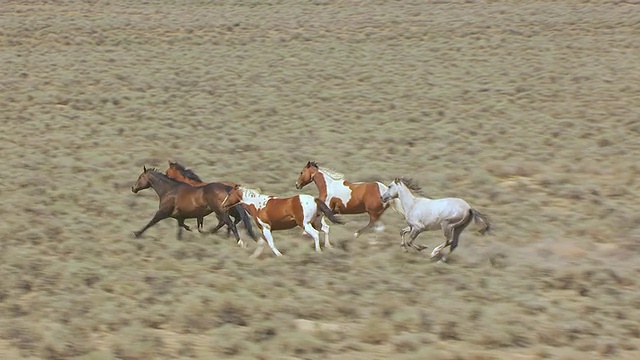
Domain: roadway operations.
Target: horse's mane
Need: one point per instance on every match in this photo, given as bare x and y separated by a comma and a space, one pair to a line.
162, 175
328, 171
411, 184
255, 192
188, 173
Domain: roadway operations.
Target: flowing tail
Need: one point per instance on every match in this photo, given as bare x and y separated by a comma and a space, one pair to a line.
482, 219
244, 215
327, 212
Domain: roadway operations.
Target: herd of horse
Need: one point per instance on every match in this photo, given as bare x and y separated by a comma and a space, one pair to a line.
183, 195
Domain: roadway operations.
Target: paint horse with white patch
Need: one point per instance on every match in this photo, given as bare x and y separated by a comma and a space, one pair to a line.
275, 213
452, 215
344, 197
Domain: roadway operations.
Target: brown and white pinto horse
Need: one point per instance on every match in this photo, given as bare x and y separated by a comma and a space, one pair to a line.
345, 197
273, 213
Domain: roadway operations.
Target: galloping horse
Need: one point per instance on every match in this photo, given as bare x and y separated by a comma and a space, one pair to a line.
344, 197
178, 172
274, 213
182, 201
452, 215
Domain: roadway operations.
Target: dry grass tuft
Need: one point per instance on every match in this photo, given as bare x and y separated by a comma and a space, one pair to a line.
375, 331
525, 112
135, 342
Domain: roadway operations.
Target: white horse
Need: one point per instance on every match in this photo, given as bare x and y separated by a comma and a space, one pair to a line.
452, 215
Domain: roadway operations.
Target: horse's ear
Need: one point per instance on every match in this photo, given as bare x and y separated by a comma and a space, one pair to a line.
144, 167
308, 164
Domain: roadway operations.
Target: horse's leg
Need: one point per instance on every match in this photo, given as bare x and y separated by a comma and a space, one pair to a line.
412, 236
160, 215
447, 229
266, 231
233, 213
236, 220
232, 226
235, 223
314, 234
181, 225
215, 229
325, 228
373, 218
457, 230
229, 228
258, 249
320, 224
404, 232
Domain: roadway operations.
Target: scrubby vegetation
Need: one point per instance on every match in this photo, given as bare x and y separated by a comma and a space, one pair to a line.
528, 110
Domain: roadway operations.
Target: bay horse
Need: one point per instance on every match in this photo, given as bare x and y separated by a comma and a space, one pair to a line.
274, 213
344, 197
178, 172
452, 215
182, 201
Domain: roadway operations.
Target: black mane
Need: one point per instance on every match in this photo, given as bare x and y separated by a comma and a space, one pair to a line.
411, 184
188, 173
162, 175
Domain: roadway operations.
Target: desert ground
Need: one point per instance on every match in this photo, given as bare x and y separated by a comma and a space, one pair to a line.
529, 110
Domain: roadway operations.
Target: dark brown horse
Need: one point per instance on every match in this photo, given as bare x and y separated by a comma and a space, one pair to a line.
182, 201
178, 172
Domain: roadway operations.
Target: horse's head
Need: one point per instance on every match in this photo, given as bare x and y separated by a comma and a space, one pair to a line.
235, 195
142, 182
392, 191
306, 175
180, 173
174, 172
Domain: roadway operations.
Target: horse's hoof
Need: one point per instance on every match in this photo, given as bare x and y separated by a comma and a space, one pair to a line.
137, 234
355, 235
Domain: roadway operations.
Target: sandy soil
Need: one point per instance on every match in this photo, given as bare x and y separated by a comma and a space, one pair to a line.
528, 110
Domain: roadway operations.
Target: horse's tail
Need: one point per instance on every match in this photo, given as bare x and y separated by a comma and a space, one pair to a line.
244, 215
327, 212
480, 218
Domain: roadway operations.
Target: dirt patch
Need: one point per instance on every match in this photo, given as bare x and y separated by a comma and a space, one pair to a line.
528, 111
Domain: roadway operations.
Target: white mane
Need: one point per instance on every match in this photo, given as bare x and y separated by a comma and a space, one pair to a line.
332, 173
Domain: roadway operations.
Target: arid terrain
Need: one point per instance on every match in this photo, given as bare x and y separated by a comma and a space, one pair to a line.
529, 110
